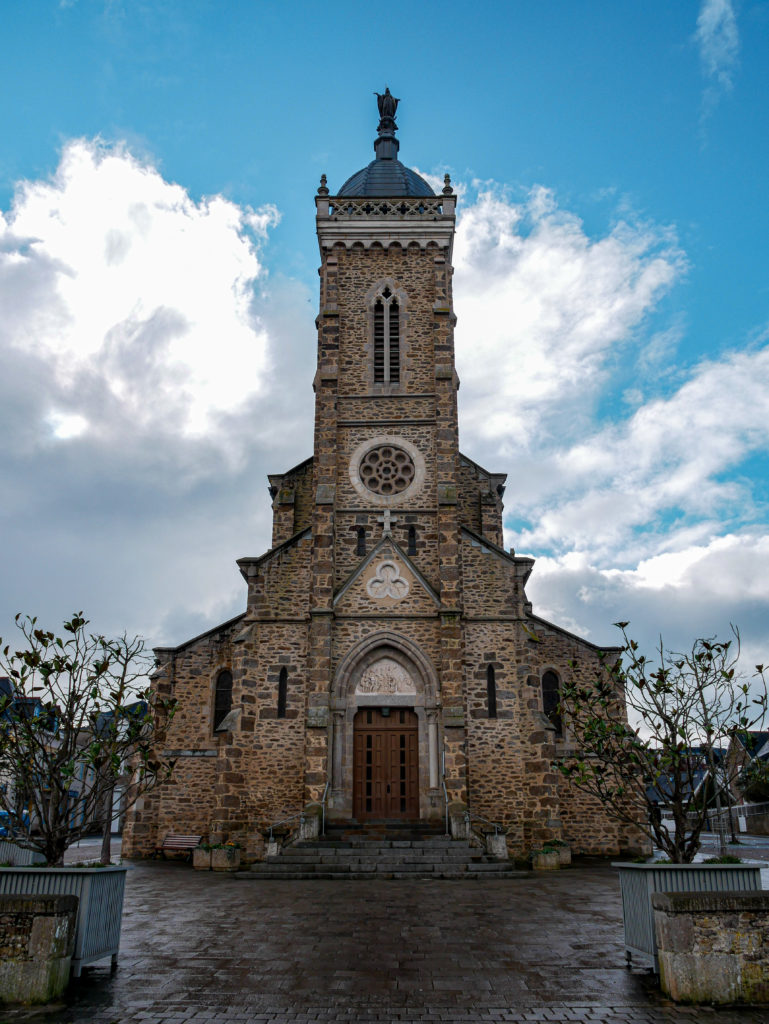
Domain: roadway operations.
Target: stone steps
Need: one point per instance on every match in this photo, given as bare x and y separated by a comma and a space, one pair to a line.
360, 855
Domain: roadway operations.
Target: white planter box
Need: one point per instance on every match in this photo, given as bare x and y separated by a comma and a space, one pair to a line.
100, 904
18, 856
639, 881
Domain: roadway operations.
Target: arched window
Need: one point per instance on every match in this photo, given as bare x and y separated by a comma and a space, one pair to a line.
222, 697
360, 548
282, 692
412, 548
551, 698
387, 357
491, 691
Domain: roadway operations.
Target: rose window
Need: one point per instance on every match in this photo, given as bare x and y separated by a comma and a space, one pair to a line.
387, 469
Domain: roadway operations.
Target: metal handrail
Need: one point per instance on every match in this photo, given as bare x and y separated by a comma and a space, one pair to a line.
323, 808
291, 817
446, 801
445, 791
496, 825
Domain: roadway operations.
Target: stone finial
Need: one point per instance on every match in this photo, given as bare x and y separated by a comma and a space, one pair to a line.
447, 189
323, 188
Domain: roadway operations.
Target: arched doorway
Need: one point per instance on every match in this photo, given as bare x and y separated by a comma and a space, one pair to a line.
385, 672
386, 764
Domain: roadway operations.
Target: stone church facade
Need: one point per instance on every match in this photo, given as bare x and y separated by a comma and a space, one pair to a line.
388, 664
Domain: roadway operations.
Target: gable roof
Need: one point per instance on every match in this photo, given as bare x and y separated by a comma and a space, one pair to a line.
375, 551
244, 563
753, 740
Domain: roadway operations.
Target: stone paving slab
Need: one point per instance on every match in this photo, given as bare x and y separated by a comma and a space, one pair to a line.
198, 947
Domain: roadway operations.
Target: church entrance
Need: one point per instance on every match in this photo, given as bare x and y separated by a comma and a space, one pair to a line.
386, 764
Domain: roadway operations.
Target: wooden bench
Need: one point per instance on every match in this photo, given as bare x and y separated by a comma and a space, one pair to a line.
174, 842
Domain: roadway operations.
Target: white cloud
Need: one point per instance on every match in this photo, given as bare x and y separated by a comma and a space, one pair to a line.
153, 374
647, 513
718, 41
144, 354
674, 457
694, 591
541, 308
66, 425
109, 271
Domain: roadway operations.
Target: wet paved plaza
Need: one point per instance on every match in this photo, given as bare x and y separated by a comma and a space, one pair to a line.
205, 948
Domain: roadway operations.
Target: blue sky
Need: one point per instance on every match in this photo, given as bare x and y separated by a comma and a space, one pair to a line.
158, 282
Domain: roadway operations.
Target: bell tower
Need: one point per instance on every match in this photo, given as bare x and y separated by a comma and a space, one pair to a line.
388, 667
386, 455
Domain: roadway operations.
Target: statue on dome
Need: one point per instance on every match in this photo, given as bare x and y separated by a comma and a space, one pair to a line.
387, 104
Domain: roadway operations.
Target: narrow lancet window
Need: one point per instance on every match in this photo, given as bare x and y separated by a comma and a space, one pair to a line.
360, 547
387, 356
282, 692
551, 699
222, 697
491, 691
412, 548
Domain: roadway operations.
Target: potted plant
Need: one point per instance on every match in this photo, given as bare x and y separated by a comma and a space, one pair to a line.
225, 856
201, 857
75, 719
563, 850
546, 859
682, 708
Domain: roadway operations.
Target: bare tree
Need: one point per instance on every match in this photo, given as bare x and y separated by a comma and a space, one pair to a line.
683, 707
80, 715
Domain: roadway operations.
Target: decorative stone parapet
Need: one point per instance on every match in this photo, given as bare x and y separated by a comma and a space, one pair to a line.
37, 939
713, 946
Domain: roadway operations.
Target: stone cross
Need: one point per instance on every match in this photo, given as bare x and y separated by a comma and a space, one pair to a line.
387, 519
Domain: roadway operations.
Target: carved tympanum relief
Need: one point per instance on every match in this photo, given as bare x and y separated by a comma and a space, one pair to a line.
387, 582
385, 676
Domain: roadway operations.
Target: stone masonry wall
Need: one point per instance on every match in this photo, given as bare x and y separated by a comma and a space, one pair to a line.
292, 505
510, 759
186, 803
278, 584
490, 584
359, 270
424, 523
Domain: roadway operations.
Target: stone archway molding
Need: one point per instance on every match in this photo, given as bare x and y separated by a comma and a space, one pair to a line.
347, 699
387, 643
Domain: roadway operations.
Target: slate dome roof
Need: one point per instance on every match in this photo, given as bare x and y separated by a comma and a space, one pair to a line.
386, 175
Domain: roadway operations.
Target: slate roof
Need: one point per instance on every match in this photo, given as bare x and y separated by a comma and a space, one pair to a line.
753, 740
383, 177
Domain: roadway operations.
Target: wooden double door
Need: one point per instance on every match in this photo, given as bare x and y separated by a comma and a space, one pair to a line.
386, 764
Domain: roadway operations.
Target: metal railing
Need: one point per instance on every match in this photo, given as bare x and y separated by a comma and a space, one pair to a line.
446, 804
323, 800
292, 817
445, 791
497, 826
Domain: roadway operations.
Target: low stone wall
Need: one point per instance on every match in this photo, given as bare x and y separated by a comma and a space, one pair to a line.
713, 946
37, 939
758, 824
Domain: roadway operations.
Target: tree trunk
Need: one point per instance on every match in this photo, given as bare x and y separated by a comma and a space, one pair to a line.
106, 850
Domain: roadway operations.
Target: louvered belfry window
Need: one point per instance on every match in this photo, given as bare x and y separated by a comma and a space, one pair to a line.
387, 356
